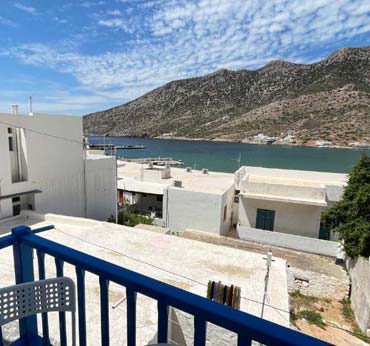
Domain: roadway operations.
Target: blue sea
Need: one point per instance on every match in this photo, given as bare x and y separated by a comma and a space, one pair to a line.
227, 157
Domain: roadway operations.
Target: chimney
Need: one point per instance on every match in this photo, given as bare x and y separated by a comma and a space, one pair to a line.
30, 113
15, 109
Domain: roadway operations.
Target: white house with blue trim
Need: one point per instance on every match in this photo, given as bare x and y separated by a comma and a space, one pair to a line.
286, 201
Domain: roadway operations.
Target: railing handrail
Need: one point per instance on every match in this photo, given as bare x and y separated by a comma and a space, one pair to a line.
236, 321
6, 241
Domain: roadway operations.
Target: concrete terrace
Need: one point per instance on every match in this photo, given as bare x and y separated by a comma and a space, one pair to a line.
130, 173
181, 262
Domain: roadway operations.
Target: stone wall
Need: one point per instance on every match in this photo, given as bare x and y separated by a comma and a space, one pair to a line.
317, 284
359, 271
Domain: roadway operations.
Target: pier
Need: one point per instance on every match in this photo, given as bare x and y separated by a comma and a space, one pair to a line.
113, 146
158, 161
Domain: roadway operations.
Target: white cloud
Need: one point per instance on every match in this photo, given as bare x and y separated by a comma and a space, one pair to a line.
114, 13
90, 4
116, 23
6, 21
60, 20
28, 9
188, 38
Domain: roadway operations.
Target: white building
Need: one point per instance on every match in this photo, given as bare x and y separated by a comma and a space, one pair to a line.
286, 201
181, 199
279, 200
43, 168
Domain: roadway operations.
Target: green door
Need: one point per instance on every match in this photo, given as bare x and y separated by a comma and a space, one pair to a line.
265, 219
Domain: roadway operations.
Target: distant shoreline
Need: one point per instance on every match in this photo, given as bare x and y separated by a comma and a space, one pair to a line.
309, 144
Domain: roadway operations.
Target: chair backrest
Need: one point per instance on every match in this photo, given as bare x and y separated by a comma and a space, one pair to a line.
23, 300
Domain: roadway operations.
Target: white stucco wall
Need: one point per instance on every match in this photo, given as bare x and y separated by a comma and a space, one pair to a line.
55, 165
276, 189
183, 209
101, 188
290, 241
227, 200
291, 218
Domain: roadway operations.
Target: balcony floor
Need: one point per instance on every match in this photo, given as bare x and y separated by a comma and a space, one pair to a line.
180, 259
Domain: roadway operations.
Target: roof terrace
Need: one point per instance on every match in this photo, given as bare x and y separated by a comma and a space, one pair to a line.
131, 281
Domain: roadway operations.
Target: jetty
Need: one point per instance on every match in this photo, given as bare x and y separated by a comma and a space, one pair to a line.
158, 161
113, 146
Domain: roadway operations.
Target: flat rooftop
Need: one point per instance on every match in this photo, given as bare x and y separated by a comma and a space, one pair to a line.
181, 262
298, 175
138, 177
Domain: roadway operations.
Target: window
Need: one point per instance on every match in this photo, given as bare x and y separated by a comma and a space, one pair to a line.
265, 219
236, 199
225, 212
10, 130
11, 146
144, 195
159, 198
16, 199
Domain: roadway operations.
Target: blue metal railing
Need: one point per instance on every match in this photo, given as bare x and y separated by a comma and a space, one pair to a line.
246, 326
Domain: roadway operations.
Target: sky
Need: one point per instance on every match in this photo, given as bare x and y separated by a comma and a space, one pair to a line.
77, 57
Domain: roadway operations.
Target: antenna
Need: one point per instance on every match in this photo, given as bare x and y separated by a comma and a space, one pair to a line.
31, 113
269, 261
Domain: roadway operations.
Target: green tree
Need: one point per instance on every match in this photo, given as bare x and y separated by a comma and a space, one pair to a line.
350, 217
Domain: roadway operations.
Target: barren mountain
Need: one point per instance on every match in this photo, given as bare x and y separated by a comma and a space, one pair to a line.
327, 100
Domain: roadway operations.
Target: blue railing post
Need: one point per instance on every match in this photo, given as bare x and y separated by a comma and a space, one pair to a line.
23, 266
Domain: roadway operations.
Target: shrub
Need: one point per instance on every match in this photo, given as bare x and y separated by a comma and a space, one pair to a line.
131, 219
350, 217
347, 311
312, 317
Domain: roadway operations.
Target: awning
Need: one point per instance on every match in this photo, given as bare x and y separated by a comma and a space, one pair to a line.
18, 194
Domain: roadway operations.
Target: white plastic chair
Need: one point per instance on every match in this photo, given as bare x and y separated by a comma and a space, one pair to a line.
31, 298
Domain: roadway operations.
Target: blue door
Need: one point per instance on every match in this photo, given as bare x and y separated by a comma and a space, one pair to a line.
265, 219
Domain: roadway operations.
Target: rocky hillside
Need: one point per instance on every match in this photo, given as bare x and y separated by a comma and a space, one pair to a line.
327, 100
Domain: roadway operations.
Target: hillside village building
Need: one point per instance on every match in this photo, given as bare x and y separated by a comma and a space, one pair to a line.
43, 167
279, 200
